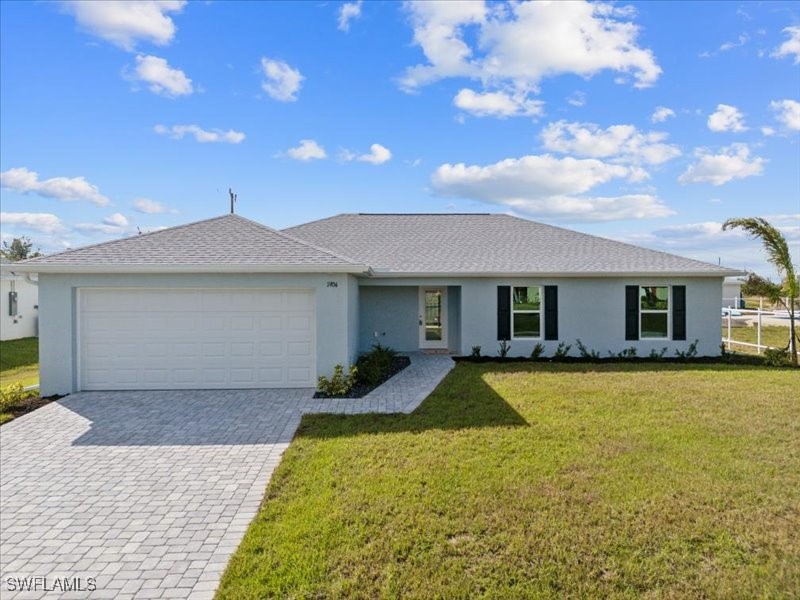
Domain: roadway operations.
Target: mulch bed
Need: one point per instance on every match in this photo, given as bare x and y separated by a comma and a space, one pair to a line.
23, 407
737, 359
361, 389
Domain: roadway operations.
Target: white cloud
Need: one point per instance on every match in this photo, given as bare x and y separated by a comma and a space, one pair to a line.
307, 150
726, 118
547, 187
661, 114
740, 41
44, 222
177, 132
623, 142
282, 81
161, 78
767, 131
787, 112
116, 220
149, 207
377, 155
61, 188
790, 47
125, 22
497, 104
113, 224
732, 162
522, 43
577, 99
349, 12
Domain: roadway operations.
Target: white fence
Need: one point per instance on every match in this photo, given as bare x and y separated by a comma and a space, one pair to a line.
735, 317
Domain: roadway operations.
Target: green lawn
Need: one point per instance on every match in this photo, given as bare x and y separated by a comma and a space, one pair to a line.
19, 361
526, 480
775, 336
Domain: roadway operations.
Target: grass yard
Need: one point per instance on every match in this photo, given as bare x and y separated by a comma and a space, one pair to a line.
19, 361
526, 480
775, 336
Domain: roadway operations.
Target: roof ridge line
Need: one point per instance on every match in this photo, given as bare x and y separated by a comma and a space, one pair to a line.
608, 239
127, 237
305, 243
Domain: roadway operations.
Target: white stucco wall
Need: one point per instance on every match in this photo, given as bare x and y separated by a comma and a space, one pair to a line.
592, 309
25, 324
57, 323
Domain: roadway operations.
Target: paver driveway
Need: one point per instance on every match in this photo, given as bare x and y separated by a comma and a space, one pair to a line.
149, 493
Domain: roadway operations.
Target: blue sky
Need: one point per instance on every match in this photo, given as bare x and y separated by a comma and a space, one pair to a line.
646, 122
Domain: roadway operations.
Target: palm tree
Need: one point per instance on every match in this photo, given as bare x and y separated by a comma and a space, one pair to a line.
777, 254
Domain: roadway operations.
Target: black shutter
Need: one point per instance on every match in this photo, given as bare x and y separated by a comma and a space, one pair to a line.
631, 312
551, 312
678, 312
503, 312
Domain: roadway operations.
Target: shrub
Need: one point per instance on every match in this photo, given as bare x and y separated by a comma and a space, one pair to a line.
625, 353
504, 348
585, 352
537, 351
562, 351
690, 352
776, 357
656, 354
338, 384
476, 352
375, 365
10, 396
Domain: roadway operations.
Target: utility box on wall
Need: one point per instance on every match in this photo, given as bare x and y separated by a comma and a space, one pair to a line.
20, 318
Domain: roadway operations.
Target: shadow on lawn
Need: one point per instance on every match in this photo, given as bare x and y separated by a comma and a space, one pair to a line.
462, 401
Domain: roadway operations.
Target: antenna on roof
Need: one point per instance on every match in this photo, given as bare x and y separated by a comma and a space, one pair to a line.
233, 199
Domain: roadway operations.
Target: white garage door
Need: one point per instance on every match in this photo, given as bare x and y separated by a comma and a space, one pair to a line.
137, 339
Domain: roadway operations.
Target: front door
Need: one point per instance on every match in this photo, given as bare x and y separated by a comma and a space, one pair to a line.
433, 317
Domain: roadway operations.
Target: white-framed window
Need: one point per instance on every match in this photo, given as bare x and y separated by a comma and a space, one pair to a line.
654, 301
526, 312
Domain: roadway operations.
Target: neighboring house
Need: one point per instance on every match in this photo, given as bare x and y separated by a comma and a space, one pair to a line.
230, 303
19, 299
732, 292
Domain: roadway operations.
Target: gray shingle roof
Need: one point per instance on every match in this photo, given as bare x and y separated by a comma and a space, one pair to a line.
225, 241
485, 243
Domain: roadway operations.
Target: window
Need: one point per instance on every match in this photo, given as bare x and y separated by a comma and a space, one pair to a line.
526, 312
654, 312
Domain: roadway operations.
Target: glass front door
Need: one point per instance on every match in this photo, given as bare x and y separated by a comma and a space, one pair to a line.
433, 317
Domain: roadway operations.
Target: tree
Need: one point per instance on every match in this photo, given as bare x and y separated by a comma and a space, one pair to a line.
19, 249
778, 254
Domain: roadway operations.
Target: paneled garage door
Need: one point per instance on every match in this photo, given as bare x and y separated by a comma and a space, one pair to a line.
137, 339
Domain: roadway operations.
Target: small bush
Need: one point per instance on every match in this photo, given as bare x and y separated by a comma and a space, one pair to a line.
657, 354
585, 352
625, 353
537, 351
10, 396
339, 384
504, 348
562, 351
375, 365
690, 352
776, 357
476, 352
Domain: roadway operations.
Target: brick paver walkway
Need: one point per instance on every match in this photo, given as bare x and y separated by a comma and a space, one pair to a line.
149, 493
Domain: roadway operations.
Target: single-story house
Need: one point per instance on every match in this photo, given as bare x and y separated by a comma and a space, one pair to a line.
19, 304
230, 303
